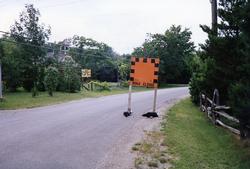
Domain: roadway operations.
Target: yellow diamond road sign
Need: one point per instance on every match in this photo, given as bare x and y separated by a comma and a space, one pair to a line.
86, 72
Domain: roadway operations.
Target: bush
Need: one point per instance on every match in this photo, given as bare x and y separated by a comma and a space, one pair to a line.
71, 76
195, 88
239, 96
124, 83
51, 79
196, 84
73, 82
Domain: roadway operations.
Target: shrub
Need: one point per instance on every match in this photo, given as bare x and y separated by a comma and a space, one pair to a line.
51, 79
71, 74
124, 83
239, 96
195, 86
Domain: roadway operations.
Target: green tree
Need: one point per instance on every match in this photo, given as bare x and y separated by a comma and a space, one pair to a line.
123, 69
51, 79
31, 35
229, 56
224, 47
239, 91
12, 64
98, 57
174, 48
71, 74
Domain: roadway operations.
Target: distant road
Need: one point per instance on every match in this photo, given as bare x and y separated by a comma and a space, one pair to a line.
74, 135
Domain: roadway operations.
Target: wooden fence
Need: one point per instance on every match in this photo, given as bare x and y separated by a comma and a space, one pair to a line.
215, 112
92, 85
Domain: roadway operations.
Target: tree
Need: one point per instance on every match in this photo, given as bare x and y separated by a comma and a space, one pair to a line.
224, 48
98, 57
123, 69
229, 60
51, 79
12, 64
71, 74
31, 36
174, 48
239, 91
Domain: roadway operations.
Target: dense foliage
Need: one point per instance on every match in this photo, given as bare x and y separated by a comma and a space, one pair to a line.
71, 80
51, 79
27, 30
98, 57
224, 61
12, 64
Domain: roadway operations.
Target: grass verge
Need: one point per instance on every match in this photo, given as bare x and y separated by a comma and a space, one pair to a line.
195, 143
24, 99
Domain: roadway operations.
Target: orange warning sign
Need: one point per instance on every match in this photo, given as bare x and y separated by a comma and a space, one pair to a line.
144, 72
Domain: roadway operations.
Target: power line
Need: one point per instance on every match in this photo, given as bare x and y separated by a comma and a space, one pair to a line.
26, 44
41, 47
62, 4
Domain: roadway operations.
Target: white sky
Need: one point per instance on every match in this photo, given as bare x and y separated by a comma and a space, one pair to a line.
122, 24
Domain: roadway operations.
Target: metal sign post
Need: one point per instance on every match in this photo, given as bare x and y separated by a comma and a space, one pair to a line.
129, 98
129, 112
155, 96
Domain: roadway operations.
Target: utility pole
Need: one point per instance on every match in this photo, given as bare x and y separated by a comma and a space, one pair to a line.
1, 84
1, 88
214, 16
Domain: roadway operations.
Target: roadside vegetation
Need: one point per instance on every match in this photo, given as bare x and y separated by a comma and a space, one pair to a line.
22, 98
188, 140
223, 62
196, 143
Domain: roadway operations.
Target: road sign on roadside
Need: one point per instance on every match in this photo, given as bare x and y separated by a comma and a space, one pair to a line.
144, 72
86, 72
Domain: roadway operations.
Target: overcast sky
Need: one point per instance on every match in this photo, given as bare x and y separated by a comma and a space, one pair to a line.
122, 24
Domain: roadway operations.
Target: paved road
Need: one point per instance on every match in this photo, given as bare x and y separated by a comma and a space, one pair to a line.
74, 135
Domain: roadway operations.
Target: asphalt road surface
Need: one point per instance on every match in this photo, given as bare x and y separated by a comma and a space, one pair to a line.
73, 135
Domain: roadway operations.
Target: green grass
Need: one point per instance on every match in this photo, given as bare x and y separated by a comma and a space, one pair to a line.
196, 144
24, 99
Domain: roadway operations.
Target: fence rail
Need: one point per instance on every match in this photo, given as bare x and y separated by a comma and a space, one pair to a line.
215, 111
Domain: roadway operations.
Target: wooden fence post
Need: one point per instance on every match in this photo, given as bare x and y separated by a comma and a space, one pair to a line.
201, 105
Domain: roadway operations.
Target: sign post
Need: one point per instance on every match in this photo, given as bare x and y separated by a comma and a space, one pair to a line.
155, 96
129, 98
144, 72
129, 112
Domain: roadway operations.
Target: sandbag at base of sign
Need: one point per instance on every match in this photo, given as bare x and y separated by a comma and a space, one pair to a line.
150, 115
127, 114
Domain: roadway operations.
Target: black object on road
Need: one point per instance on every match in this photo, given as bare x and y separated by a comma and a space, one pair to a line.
127, 113
150, 115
